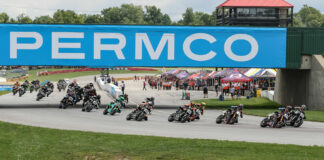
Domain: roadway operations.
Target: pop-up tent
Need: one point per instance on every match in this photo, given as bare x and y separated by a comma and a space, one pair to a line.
210, 75
253, 72
194, 75
267, 73
223, 73
236, 76
173, 71
182, 74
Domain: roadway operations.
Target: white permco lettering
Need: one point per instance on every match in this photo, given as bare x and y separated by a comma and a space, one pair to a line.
254, 47
56, 45
14, 46
155, 55
98, 47
193, 56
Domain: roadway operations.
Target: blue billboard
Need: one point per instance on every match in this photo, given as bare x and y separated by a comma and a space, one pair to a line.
128, 45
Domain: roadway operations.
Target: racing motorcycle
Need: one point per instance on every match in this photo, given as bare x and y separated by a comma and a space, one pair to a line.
79, 93
41, 93
276, 119
15, 90
125, 96
68, 100
177, 116
61, 85
229, 116
92, 102
32, 88
191, 114
296, 118
112, 108
22, 90
49, 91
150, 102
139, 114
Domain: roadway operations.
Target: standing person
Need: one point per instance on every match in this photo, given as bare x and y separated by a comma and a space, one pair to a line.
205, 91
135, 78
161, 85
144, 85
216, 89
95, 79
232, 90
123, 87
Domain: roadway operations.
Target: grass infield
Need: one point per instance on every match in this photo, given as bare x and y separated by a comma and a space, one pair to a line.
25, 142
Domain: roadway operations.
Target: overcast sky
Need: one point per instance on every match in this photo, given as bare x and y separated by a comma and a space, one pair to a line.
174, 8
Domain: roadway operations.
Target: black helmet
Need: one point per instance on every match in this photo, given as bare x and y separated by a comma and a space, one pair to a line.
91, 84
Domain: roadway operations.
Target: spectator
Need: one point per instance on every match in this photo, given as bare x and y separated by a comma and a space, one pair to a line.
144, 85
205, 91
216, 89
116, 83
123, 87
232, 90
95, 79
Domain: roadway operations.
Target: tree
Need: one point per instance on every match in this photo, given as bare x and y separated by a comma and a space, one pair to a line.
22, 18
188, 17
93, 19
153, 15
297, 21
314, 20
112, 15
310, 16
67, 17
4, 18
166, 20
132, 14
43, 20
201, 18
126, 14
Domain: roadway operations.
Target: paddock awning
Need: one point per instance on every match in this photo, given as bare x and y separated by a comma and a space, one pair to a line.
236, 76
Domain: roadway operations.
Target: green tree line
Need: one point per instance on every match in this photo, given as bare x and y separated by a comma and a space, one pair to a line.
132, 14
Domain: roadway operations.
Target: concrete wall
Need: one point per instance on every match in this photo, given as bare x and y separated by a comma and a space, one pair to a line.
297, 86
316, 84
291, 87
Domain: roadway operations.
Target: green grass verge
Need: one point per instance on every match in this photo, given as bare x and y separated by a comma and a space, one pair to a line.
253, 103
4, 92
317, 116
25, 142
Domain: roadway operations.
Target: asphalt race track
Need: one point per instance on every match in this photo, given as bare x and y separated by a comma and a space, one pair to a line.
248, 129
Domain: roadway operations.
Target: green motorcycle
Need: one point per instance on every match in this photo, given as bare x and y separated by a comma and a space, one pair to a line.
112, 108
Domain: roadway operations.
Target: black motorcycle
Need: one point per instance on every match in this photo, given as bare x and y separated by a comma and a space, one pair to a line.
138, 114
276, 119
68, 100
296, 118
178, 115
229, 116
41, 93
32, 88
15, 90
49, 91
61, 85
150, 102
92, 102
22, 90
